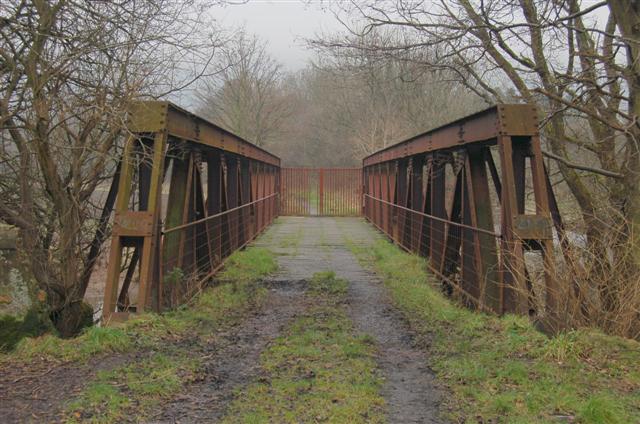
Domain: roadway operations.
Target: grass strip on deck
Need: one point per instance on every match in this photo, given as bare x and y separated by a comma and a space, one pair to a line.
317, 371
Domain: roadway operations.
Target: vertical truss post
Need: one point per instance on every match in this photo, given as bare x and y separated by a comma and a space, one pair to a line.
215, 180
150, 254
378, 208
417, 202
245, 197
485, 253
513, 269
437, 198
115, 253
233, 201
426, 232
389, 194
402, 192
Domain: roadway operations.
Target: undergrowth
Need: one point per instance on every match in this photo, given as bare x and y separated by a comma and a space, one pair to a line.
317, 371
214, 306
500, 369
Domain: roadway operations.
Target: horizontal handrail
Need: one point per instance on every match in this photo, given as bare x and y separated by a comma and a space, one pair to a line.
199, 221
436, 218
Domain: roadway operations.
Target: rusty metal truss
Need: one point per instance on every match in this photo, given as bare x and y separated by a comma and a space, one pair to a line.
472, 196
456, 195
189, 194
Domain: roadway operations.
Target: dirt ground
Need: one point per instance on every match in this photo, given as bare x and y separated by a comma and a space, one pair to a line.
37, 392
303, 247
233, 360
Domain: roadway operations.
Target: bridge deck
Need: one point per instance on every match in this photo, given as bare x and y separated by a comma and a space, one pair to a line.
306, 245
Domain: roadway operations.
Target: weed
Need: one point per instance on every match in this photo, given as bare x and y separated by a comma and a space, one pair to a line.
106, 401
601, 409
248, 265
327, 283
92, 341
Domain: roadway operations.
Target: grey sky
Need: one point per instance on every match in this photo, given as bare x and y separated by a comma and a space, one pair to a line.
283, 24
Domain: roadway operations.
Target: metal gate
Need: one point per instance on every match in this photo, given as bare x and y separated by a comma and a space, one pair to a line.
321, 191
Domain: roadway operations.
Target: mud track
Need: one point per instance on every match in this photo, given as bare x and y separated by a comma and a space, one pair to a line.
232, 360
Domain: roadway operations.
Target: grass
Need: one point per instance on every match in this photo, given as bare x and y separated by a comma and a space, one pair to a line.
167, 364
141, 385
500, 369
13, 329
93, 341
291, 241
317, 371
214, 307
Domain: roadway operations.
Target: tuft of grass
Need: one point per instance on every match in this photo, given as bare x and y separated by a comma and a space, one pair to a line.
106, 401
248, 265
602, 408
114, 394
317, 371
500, 369
92, 341
326, 283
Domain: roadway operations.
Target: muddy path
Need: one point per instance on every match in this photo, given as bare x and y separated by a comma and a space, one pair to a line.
232, 360
410, 388
38, 391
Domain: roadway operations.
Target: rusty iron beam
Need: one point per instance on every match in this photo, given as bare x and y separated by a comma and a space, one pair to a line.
454, 224
162, 116
499, 120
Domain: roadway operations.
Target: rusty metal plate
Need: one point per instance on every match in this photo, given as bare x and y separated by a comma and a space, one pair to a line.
148, 117
518, 120
533, 227
133, 224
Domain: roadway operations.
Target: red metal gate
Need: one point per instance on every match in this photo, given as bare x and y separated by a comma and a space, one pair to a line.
321, 191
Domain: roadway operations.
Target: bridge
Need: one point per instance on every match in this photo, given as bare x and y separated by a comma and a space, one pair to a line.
189, 193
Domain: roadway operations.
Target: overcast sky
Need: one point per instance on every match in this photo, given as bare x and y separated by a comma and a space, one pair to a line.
283, 24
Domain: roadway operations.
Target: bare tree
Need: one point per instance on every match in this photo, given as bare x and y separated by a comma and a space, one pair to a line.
350, 103
69, 70
578, 63
246, 97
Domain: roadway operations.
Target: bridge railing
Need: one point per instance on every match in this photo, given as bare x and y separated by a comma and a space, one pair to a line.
189, 194
473, 197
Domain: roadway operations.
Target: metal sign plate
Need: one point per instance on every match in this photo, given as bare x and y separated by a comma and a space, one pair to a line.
533, 227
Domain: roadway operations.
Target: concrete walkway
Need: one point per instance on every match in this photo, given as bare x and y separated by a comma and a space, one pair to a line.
308, 245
